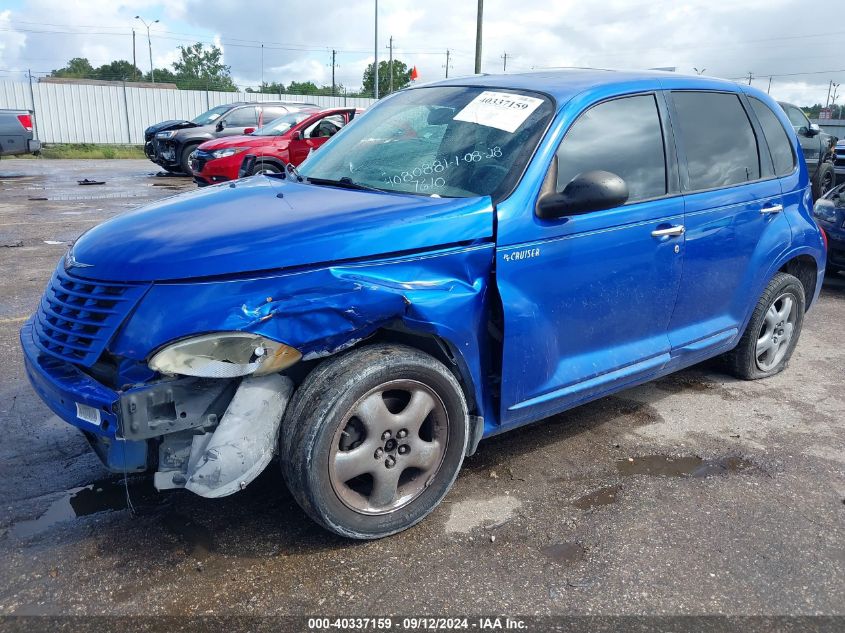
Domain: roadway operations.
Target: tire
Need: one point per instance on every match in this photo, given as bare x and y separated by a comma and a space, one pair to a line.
265, 168
337, 423
769, 330
824, 181
185, 158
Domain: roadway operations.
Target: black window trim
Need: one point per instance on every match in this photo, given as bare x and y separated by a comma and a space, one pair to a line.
670, 157
682, 156
795, 167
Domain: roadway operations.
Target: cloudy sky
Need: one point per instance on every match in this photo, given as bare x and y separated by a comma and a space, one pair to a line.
789, 40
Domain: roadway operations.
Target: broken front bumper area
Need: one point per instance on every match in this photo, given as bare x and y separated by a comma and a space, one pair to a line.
210, 436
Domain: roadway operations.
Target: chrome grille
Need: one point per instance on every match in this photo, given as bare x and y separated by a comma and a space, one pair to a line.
77, 317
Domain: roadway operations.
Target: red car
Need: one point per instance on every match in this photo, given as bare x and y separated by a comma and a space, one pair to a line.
288, 139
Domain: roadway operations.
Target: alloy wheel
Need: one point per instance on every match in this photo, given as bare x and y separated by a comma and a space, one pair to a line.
388, 447
776, 332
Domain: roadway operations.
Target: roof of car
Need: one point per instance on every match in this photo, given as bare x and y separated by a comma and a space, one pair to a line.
235, 104
565, 83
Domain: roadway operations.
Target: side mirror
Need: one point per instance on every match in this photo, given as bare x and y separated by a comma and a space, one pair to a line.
814, 129
588, 191
220, 125
297, 136
249, 130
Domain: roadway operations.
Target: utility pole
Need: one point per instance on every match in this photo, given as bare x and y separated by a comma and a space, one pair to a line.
505, 62
149, 44
390, 67
262, 68
447, 63
134, 63
334, 57
829, 86
769, 89
375, 57
478, 22
750, 77
699, 72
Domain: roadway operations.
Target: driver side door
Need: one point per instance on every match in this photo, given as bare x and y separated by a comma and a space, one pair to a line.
587, 302
235, 122
314, 135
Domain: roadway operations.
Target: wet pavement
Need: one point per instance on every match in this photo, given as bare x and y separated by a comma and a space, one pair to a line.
695, 494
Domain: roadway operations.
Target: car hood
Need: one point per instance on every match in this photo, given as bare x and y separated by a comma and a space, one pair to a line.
266, 223
174, 124
240, 141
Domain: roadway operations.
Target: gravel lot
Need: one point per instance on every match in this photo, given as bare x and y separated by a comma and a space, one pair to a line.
697, 494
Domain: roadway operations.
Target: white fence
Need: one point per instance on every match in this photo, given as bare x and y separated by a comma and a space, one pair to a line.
79, 113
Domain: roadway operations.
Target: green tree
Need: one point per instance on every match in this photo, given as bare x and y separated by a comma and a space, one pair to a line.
78, 67
401, 77
118, 70
163, 76
201, 68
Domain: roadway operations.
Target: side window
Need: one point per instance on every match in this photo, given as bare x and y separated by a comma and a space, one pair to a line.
241, 117
622, 136
779, 142
796, 117
325, 127
718, 138
268, 113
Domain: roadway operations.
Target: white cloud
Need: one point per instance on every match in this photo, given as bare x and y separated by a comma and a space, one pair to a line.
728, 39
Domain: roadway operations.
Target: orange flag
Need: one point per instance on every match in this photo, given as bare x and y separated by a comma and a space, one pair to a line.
414, 74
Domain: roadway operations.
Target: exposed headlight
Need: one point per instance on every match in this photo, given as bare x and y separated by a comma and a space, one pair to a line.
229, 151
225, 355
167, 134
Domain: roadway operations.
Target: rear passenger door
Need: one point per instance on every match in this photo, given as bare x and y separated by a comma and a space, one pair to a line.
734, 218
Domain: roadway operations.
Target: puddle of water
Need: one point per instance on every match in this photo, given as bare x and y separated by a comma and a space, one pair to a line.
197, 537
601, 497
692, 466
564, 553
102, 496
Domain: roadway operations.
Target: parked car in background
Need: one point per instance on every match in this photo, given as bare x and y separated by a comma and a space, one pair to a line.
466, 259
288, 139
839, 161
170, 143
829, 212
16, 133
817, 147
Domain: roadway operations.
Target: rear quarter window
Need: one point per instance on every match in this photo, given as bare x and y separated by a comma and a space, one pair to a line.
718, 139
778, 140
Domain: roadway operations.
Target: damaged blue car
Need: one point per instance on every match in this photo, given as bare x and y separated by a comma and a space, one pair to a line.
466, 258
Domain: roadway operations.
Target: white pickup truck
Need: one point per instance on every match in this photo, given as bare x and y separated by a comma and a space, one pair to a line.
16, 133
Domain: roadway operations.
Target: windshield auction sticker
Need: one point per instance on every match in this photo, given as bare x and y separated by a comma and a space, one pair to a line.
502, 110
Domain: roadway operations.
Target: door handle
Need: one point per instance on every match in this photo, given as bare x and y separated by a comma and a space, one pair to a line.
775, 208
671, 231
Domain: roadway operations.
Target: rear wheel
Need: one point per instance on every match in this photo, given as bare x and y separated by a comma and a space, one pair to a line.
373, 440
772, 333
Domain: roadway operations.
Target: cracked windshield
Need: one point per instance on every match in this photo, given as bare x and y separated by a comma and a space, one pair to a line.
447, 141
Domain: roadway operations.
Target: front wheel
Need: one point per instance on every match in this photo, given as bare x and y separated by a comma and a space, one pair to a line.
773, 331
373, 439
265, 168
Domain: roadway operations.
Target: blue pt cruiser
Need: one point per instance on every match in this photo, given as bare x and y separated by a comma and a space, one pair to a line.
466, 258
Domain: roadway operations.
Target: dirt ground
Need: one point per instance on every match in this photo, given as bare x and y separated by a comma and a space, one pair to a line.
696, 494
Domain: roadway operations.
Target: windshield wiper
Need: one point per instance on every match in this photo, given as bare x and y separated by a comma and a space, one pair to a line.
346, 182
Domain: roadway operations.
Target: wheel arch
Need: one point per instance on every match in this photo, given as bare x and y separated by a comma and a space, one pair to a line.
271, 160
806, 269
